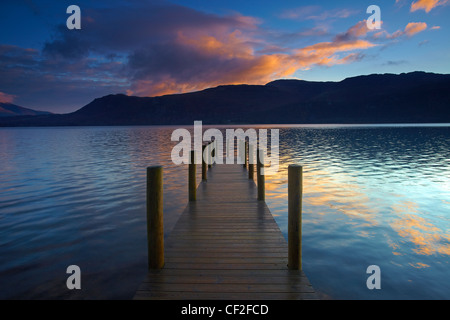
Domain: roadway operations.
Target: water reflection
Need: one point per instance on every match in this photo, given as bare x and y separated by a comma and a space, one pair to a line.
377, 192
415, 228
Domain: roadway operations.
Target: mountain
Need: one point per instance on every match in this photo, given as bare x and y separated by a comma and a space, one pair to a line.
416, 97
11, 110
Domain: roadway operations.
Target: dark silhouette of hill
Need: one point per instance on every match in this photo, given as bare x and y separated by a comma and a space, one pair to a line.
416, 97
12, 110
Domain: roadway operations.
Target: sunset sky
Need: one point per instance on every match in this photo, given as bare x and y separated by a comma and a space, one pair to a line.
148, 48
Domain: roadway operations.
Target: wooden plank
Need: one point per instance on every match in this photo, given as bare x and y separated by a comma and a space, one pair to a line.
227, 254
225, 266
226, 260
265, 273
256, 243
227, 287
251, 279
226, 245
223, 242
179, 295
245, 273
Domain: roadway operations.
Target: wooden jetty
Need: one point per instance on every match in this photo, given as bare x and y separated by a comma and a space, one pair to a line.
226, 245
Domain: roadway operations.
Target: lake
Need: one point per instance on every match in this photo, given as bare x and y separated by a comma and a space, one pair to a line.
372, 195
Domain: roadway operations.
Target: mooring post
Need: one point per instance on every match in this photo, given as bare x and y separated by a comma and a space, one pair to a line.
295, 190
192, 176
155, 225
245, 154
204, 165
213, 152
251, 161
209, 146
260, 175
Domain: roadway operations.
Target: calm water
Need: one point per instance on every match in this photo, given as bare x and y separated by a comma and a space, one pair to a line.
373, 195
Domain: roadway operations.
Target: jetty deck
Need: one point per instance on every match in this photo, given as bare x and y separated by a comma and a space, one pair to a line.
226, 245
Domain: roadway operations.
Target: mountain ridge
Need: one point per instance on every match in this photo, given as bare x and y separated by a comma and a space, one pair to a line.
418, 96
13, 110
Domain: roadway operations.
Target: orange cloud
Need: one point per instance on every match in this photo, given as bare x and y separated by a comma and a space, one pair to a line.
231, 60
411, 29
231, 45
427, 5
414, 27
6, 98
207, 58
360, 29
329, 48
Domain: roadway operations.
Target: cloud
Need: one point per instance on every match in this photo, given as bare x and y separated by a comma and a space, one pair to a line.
125, 28
193, 63
6, 98
154, 49
315, 13
427, 5
70, 83
163, 48
281, 41
411, 29
414, 27
358, 30
329, 48
172, 49
327, 53
75, 67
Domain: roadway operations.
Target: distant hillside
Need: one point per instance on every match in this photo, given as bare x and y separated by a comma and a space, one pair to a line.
416, 97
11, 110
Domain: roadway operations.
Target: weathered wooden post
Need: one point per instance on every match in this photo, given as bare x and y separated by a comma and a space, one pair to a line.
204, 166
155, 225
260, 176
295, 190
251, 157
192, 176
245, 154
209, 154
213, 152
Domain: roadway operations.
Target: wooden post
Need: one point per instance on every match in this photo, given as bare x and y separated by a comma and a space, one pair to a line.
192, 176
295, 190
251, 166
204, 166
260, 176
213, 152
155, 225
245, 154
209, 154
